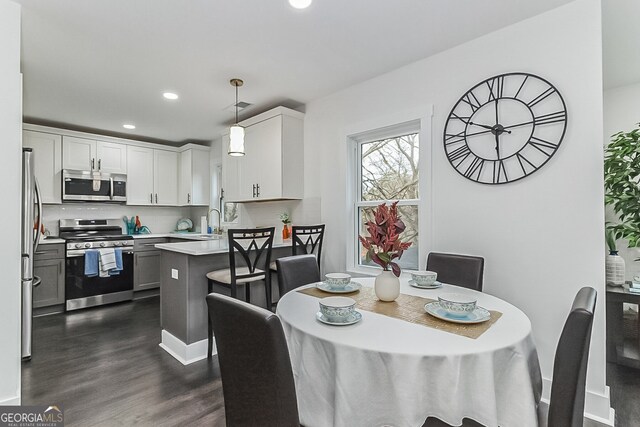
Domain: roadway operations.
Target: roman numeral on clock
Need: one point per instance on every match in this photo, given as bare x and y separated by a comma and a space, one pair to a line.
499, 171
460, 153
547, 119
472, 101
522, 160
545, 147
496, 88
543, 95
475, 166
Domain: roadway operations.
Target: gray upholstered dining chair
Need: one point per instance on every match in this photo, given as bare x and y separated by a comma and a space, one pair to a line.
459, 270
296, 271
566, 405
257, 379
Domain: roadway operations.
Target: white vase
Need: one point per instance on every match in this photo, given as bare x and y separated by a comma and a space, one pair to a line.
615, 269
387, 286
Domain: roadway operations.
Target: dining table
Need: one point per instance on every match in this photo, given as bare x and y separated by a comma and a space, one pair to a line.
398, 365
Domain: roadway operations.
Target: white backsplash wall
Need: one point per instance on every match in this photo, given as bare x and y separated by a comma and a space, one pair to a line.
267, 214
159, 219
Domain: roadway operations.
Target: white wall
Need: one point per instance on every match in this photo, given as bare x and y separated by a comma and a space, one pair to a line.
10, 164
541, 236
622, 113
159, 219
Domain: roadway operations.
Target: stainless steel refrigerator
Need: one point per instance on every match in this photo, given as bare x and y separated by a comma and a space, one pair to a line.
31, 212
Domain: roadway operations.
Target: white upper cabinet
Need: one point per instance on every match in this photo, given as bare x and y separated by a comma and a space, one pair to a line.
78, 153
89, 154
272, 168
165, 177
139, 175
152, 177
47, 149
111, 157
195, 177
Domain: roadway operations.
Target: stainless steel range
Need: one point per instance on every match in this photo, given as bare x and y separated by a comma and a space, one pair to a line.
84, 235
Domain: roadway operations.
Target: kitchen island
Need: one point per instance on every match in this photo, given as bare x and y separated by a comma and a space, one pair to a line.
183, 288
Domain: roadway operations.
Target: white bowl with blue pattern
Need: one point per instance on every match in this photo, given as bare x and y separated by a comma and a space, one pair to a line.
457, 305
337, 309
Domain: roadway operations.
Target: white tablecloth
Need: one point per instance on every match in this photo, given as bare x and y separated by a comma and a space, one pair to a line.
385, 371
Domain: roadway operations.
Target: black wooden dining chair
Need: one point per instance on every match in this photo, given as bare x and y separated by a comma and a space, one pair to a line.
305, 239
455, 269
257, 379
566, 405
252, 248
296, 271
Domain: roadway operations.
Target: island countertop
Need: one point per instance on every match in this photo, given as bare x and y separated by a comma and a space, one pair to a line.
209, 247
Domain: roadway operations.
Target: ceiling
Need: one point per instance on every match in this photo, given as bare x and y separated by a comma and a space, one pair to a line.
98, 64
620, 42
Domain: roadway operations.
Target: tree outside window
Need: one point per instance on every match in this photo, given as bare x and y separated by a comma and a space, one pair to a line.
388, 171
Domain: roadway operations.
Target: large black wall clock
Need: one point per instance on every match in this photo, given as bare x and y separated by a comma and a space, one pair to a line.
505, 128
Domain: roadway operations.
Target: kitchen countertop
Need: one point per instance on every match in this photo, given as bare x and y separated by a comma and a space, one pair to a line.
184, 236
50, 241
209, 247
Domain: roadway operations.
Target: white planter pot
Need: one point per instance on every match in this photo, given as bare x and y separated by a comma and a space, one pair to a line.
387, 286
615, 269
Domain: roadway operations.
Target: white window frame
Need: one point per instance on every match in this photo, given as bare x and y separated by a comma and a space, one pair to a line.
375, 130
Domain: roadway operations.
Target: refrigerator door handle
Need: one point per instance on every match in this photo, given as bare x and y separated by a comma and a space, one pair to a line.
38, 232
36, 281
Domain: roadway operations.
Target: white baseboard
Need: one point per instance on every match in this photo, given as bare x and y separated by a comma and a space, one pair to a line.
185, 353
597, 407
12, 401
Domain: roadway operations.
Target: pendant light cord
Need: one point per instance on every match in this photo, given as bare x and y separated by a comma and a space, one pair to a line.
236, 103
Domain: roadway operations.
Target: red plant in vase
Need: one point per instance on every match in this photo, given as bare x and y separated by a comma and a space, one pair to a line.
383, 244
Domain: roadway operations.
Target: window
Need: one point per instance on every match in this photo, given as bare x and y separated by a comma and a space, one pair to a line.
387, 170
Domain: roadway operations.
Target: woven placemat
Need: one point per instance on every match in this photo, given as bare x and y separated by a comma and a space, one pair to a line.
409, 308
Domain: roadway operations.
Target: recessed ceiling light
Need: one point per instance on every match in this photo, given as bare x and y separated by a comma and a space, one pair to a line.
128, 126
300, 4
170, 95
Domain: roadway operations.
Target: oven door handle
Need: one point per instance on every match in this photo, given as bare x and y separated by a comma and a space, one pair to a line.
81, 252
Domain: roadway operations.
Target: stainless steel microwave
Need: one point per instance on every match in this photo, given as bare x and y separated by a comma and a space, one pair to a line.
92, 186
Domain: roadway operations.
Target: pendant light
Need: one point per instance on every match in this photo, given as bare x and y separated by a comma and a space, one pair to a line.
236, 132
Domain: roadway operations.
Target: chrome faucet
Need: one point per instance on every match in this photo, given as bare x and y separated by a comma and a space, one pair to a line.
218, 229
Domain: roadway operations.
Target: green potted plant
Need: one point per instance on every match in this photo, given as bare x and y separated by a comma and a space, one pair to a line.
621, 179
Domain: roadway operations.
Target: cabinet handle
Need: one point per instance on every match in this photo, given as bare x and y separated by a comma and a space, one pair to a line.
99, 164
253, 194
156, 197
188, 198
93, 164
151, 197
258, 190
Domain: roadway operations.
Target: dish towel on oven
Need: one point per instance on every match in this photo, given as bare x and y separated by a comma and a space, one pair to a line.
91, 263
118, 269
107, 261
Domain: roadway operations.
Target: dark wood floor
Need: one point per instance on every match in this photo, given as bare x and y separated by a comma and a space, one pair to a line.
625, 394
105, 367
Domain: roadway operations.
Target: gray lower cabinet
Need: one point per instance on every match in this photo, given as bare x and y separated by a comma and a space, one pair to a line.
50, 291
146, 271
146, 263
